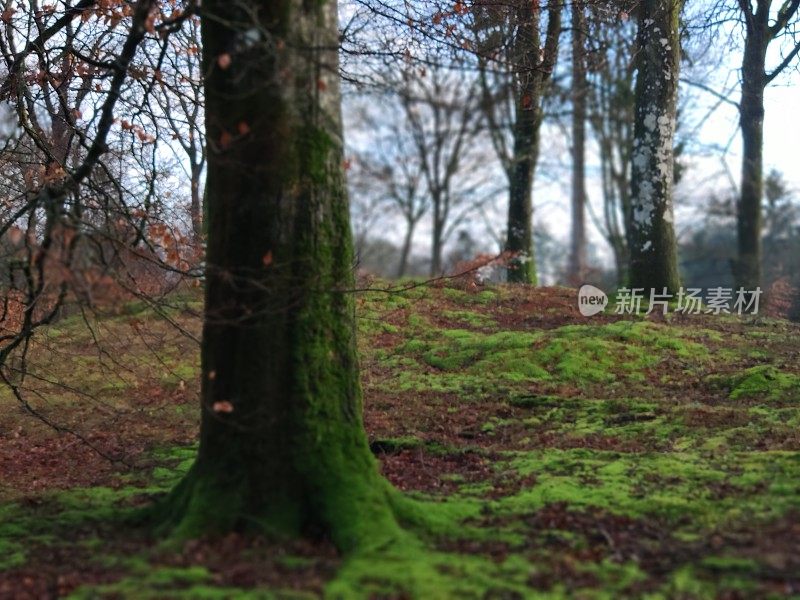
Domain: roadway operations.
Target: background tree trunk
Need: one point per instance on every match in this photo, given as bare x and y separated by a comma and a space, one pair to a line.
282, 445
437, 241
534, 66
621, 261
196, 206
762, 25
577, 260
405, 252
751, 119
611, 108
519, 240
654, 263
522, 268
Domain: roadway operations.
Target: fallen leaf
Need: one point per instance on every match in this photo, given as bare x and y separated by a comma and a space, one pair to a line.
224, 61
223, 406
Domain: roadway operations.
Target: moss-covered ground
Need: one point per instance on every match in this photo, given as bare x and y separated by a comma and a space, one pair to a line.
539, 454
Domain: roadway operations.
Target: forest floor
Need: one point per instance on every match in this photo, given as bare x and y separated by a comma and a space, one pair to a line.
549, 456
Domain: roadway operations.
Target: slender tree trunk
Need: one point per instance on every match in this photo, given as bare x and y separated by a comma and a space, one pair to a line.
436, 239
534, 66
282, 445
522, 268
406, 250
621, 260
436, 257
577, 260
751, 119
654, 263
794, 309
612, 104
626, 204
196, 207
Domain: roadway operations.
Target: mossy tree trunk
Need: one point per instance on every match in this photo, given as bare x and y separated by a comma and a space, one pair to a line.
653, 251
282, 444
534, 66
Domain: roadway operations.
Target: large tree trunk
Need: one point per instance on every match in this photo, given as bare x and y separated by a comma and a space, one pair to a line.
282, 445
577, 260
653, 252
751, 119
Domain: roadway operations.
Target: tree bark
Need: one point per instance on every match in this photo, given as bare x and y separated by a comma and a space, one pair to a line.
654, 263
282, 444
751, 119
577, 260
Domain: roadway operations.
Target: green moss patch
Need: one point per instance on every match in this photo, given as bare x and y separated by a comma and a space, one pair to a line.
540, 454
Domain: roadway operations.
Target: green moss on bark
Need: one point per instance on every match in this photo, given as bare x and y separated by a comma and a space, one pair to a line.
282, 445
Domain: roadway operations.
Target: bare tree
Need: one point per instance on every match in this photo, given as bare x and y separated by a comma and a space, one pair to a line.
516, 66
441, 110
762, 27
387, 175
611, 76
80, 182
178, 101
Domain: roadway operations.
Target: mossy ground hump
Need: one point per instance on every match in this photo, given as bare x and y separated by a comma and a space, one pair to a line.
534, 454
